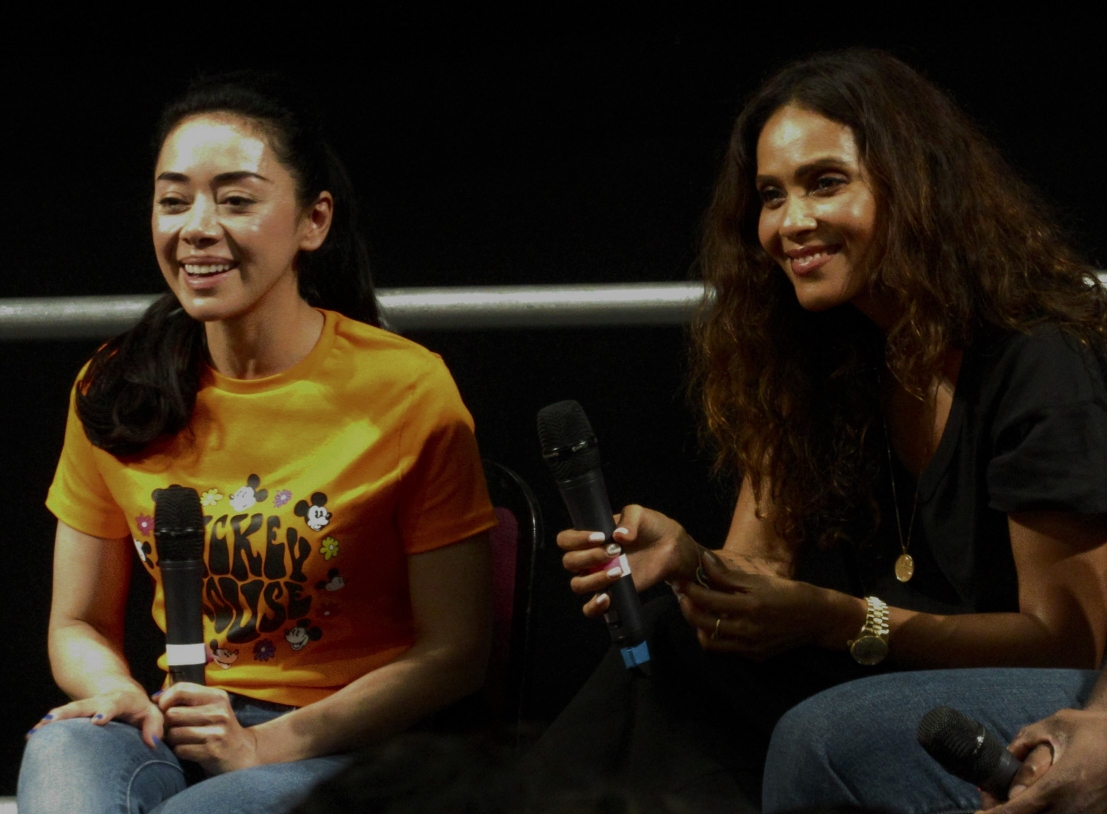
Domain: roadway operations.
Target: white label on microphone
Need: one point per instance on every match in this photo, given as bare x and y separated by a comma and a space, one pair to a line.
181, 655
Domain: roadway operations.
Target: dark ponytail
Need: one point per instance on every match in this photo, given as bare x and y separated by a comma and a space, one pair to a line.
143, 384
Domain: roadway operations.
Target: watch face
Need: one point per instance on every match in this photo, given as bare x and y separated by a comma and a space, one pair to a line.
869, 649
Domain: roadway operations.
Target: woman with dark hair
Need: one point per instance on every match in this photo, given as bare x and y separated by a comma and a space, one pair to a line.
902, 365
346, 591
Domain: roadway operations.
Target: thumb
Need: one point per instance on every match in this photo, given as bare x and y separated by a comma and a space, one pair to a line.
153, 727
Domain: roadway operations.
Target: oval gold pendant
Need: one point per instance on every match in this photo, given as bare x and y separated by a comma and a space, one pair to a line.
905, 567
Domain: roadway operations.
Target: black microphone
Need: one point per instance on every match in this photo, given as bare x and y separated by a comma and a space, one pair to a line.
965, 748
179, 535
571, 452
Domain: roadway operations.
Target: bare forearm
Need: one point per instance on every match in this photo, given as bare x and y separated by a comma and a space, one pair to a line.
86, 662
921, 640
376, 706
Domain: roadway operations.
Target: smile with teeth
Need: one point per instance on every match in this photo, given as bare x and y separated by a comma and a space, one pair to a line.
204, 269
807, 261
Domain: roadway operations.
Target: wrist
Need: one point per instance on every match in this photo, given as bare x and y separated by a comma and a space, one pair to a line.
845, 616
689, 560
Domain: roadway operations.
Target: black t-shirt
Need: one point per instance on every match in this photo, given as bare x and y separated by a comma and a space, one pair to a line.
1027, 431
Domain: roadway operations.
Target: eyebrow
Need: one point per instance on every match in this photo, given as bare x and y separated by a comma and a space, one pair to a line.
221, 178
828, 163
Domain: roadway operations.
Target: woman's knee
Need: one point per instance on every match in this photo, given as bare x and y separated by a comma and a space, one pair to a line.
74, 762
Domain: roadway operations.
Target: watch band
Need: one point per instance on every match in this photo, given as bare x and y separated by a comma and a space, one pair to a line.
871, 645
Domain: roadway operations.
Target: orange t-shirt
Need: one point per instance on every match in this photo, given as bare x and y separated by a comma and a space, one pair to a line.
316, 484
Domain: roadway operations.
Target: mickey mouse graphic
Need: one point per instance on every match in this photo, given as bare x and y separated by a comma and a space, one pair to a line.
333, 582
315, 514
304, 632
223, 656
246, 496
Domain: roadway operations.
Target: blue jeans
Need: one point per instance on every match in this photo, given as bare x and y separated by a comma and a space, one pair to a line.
75, 766
855, 744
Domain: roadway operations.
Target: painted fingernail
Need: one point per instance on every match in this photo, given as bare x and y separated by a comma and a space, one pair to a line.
47, 717
602, 599
615, 572
98, 716
31, 731
159, 692
597, 537
613, 550
157, 741
620, 530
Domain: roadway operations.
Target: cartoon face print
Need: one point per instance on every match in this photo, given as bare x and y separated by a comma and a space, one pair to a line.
246, 496
303, 633
223, 656
315, 514
333, 582
144, 551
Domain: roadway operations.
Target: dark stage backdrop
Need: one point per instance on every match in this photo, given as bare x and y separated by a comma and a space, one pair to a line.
487, 150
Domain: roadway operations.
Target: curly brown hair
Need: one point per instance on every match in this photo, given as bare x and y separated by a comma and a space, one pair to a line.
790, 398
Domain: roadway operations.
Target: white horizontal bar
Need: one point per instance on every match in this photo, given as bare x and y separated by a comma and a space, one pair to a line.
405, 309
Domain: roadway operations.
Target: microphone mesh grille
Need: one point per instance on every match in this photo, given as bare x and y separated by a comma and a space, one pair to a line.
179, 524
560, 426
960, 744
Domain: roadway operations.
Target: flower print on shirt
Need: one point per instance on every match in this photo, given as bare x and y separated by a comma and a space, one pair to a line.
145, 524
211, 497
264, 650
282, 497
329, 548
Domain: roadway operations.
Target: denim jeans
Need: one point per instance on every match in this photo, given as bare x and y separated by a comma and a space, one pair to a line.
855, 744
75, 766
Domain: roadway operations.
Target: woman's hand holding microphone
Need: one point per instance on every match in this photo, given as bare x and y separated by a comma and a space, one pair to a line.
747, 604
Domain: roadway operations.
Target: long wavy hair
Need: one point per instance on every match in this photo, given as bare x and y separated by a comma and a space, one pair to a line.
790, 398
143, 384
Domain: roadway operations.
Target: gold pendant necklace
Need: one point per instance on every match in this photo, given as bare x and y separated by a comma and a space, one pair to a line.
905, 563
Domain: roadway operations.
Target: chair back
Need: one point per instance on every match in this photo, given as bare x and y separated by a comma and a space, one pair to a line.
515, 544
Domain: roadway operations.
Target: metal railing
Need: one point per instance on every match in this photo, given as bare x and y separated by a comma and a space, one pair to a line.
405, 309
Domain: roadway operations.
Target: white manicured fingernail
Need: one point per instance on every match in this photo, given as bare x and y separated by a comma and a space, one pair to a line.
615, 572
613, 550
597, 537
602, 599
620, 530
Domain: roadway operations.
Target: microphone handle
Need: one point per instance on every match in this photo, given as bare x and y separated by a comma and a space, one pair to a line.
589, 508
182, 581
998, 781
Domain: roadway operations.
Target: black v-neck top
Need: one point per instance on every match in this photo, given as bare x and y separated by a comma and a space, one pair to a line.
1027, 431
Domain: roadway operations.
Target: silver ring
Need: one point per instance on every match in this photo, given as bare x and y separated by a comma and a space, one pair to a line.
715, 632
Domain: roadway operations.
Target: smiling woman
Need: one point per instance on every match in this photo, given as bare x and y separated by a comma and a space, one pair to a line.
818, 210
346, 586
228, 230
902, 367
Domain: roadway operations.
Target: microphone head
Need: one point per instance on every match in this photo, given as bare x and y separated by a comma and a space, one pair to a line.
963, 746
568, 443
178, 524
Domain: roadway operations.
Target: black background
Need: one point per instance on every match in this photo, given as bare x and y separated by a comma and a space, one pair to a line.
488, 148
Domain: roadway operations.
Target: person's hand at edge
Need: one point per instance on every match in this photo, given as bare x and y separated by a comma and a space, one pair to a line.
1064, 766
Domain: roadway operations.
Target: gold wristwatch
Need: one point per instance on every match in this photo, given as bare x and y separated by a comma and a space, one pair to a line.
871, 645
